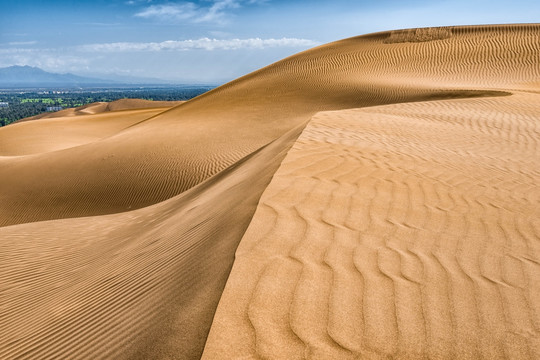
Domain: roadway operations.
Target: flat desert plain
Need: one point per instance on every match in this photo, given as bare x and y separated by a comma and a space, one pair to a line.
373, 198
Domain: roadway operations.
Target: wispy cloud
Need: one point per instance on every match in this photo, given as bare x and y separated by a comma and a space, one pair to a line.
193, 12
99, 24
199, 44
170, 11
8, 51
22, 43
216, 12
47, 61
50, 59
135, 2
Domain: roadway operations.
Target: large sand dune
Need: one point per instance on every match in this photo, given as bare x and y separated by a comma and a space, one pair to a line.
56, 133
402, 223
406, 230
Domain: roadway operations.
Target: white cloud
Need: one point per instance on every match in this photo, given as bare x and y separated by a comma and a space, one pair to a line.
216, 12
56, 60
10, 51
135, 2
199, 44
171, 11
20, 43
190, 11
47, 61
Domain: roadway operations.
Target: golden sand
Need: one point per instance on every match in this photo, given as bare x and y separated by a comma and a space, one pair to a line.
383, 191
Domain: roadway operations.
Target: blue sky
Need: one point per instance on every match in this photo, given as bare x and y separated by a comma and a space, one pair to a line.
211, 41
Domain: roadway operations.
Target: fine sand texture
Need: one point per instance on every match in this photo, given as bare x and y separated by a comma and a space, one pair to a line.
405, 231
375, 197
171, 152
142, 284
56, 133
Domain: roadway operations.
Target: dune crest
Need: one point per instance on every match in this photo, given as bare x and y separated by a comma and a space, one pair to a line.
140, 284
405, 230
195, 140
384, 196
58, 133
399, 231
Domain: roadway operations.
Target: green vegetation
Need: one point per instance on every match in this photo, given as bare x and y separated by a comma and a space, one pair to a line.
25, 103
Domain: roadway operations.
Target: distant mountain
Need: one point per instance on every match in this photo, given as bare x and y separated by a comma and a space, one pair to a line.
28, 76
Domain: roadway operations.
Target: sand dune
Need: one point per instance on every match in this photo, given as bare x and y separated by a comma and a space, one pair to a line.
406, 230
99, 107
76, 126
140, 284
201, 137
51, 134
402, 223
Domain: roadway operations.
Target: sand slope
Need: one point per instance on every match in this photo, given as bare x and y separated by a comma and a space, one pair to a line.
406, 231
201, 137
51, 134
141, 284
406, 227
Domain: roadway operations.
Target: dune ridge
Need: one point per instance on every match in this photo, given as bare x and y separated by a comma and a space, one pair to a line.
398, 231
401, 223
138, 284
58, 133
237, 118
405, 231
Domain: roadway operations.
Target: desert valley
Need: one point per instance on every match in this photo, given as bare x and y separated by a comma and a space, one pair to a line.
375, 197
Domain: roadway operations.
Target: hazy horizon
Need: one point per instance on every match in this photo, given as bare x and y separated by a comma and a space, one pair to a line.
210, 41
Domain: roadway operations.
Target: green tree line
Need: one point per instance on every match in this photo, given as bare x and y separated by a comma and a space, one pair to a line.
22, 104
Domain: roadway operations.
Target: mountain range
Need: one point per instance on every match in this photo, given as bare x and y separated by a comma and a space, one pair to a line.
29, 76
15, 76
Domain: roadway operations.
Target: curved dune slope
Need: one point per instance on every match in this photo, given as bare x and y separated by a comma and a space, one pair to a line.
141, 284
50, 134
405, 226
403, 231
171, 152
